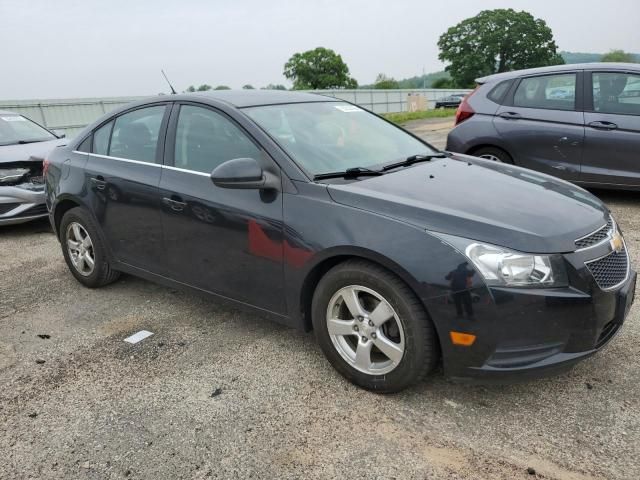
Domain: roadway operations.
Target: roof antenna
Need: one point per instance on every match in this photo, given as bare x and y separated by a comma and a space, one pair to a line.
173, 90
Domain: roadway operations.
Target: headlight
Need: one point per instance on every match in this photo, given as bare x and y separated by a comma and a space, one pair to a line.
10, 175
500, 266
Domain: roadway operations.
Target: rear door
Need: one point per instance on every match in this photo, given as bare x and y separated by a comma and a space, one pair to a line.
122, 178
612, 119
542, 123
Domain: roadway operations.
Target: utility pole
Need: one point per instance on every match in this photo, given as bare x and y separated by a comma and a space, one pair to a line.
424, 79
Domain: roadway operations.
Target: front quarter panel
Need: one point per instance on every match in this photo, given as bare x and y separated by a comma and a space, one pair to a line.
318, 229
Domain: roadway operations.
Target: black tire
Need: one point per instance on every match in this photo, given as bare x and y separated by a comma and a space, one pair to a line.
102, 273
494, 152
421, 350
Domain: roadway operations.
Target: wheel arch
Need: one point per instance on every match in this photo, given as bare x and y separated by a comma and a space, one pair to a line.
61, 207
475, 148
336, 256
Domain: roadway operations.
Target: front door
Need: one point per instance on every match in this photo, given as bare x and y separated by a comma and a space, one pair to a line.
122, 175
225, 241
612, 144
542, 125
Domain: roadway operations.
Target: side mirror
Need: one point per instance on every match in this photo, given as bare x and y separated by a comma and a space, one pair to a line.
243, 173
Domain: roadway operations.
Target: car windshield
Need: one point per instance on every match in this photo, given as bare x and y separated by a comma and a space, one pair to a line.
18, 129
335, 136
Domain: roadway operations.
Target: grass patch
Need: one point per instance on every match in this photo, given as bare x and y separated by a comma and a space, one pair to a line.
403, 117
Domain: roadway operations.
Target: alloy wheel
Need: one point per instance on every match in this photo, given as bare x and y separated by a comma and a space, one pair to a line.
491, 157
80, 249
365, 330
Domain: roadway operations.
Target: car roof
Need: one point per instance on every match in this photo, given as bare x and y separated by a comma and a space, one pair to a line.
252, 98
559, 68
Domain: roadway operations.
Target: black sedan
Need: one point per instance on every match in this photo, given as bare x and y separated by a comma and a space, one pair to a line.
326, 217
451, 101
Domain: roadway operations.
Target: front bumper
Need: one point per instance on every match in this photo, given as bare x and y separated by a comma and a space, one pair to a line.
22, 203
529, 333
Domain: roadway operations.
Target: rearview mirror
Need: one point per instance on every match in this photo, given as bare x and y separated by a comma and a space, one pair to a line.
242, 173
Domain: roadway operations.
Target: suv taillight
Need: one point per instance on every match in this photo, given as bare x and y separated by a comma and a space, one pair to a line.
45, 167
464, 109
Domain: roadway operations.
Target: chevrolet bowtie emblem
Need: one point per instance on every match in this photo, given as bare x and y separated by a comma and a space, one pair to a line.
616, 242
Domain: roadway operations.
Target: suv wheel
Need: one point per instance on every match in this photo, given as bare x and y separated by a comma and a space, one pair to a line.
493, 153
372, 328
83, 249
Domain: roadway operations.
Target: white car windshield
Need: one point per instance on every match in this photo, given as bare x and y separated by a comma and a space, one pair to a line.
15, 129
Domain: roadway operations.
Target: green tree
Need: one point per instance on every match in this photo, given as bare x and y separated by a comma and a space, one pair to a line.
271, 86
222, 87
443, 82
191, 88
248, 86
496, 41
204, 87
385, 83
618, 56
318, 69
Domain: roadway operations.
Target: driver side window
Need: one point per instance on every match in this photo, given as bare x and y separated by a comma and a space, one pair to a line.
205, 139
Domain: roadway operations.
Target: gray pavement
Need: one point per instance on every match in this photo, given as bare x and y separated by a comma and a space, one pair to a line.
85, 404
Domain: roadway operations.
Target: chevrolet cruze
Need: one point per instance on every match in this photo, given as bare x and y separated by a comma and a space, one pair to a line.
325, 217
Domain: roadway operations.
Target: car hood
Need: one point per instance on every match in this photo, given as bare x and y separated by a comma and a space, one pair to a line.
481, 200
30, 151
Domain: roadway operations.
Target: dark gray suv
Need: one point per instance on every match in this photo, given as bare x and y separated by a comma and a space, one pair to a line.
577, 122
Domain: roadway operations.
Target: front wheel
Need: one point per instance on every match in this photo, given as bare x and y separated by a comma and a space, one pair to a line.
372, 327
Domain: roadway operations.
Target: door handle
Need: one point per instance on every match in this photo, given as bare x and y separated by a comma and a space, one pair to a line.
510, 115
176, 205
603, 125
99, 182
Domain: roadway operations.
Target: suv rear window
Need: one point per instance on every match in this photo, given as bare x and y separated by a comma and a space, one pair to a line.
554, 92
498, 92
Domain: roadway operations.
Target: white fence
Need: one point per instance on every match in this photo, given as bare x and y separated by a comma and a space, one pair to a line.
69, 116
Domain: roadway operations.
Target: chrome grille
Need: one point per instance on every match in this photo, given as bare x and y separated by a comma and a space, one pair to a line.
610, 271
596, 237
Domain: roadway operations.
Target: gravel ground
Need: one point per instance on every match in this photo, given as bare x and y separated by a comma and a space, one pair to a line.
218, 393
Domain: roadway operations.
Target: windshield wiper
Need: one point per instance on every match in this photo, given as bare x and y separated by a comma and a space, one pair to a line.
349, 173
24, 142
413, 159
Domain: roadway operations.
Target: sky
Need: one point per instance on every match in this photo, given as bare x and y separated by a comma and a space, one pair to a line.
91, 48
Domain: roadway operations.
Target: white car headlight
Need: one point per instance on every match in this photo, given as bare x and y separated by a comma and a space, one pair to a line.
9, 175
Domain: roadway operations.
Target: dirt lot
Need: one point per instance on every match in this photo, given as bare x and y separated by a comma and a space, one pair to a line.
85, 404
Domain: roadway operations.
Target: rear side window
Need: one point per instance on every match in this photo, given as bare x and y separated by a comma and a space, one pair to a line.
498, 92
617, 93
135, 134
554, 92
85, 146
101, 139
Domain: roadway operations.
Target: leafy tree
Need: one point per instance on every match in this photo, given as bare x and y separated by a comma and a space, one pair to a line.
318, 69
618, 56
497, 41
222, 87
443, 82
204, 87
271, 86
191, 88
385, 83
248, 86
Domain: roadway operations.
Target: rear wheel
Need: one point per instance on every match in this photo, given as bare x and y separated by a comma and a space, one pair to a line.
83, 249
372, 328
493, 153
